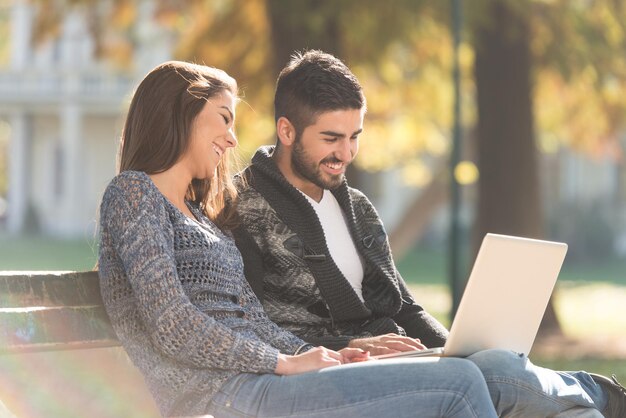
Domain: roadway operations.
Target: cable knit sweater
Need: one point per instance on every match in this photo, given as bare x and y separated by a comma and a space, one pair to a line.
288, 264
177, 298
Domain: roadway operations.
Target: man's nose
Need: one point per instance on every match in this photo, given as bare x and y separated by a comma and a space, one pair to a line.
345, 150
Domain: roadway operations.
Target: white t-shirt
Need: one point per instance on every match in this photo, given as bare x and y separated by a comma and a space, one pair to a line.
338, 239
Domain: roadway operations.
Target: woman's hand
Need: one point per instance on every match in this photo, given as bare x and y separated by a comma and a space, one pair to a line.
317, 358
354, 355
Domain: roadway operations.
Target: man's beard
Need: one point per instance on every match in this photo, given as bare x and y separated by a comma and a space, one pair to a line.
308, 169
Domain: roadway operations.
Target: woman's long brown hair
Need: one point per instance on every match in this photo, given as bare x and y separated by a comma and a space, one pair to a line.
158, 126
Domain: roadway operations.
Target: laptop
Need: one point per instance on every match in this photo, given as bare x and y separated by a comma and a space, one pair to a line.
505, 297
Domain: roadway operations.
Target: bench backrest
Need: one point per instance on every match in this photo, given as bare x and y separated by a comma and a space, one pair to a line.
43, 311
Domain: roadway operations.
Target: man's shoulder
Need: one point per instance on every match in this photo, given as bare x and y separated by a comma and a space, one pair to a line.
356, 194
250, 202
248, 196
359, 198
244, 184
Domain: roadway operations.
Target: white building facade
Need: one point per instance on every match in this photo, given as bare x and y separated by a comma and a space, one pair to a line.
65, 110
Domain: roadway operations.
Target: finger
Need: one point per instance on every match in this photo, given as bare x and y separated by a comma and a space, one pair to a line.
350, 355
331, 355
359, 359
352, 350
414, 343
380, 349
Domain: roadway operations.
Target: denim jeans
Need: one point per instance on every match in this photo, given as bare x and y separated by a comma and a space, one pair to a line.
448, 387
519, 388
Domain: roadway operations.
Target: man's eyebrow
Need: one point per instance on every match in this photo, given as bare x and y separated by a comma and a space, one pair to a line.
229, 111
340, 135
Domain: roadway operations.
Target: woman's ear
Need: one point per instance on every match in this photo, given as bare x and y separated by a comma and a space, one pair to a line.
285, 131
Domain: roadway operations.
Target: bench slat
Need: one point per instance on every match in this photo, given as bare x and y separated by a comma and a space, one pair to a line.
45, 329
29, 289
44, 311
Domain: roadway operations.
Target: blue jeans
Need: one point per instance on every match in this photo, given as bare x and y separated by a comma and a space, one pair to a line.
519, 388
448, 387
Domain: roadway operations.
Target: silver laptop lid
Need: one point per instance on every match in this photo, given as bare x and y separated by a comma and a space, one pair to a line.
506, 295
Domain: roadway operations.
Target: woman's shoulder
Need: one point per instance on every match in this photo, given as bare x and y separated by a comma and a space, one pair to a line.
130, 178
131, 186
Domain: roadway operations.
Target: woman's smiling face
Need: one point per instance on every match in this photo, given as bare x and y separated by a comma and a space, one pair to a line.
212, 133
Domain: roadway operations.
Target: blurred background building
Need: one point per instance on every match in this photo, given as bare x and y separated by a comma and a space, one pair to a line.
63, 107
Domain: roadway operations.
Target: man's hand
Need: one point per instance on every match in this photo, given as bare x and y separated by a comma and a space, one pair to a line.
387, 344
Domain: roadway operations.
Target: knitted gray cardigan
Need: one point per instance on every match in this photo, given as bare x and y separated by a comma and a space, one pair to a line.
177, 298
288, 264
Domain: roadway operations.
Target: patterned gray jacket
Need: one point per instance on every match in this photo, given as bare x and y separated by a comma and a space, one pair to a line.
289, 266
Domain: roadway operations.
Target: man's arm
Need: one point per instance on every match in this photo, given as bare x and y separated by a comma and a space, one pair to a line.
417, 322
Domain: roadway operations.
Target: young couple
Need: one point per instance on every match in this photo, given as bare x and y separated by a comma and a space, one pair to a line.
314, 251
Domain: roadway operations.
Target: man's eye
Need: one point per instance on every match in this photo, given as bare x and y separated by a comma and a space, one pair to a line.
330, 140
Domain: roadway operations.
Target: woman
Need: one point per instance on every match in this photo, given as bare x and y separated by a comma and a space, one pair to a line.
173, 285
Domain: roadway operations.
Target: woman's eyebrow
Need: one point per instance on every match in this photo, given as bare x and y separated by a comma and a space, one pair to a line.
229, 112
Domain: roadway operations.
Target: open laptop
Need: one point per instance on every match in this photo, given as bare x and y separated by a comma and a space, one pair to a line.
505, 297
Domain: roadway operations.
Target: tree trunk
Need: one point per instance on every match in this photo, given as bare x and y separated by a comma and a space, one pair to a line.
303, 24
509, 195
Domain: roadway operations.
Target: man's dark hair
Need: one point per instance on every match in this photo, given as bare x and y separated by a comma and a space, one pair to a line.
314, 82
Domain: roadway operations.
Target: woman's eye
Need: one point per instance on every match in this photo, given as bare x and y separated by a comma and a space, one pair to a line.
226, 120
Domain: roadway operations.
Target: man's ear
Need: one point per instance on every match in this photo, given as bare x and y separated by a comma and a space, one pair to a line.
285, 131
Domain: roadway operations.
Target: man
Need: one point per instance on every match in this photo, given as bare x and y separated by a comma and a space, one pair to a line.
333, 283
316, 252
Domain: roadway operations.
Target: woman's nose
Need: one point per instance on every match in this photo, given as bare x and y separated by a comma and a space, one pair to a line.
231, 138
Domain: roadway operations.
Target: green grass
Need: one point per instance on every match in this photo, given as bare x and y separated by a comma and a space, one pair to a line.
595, 365
612, 270
430, 266
39, 253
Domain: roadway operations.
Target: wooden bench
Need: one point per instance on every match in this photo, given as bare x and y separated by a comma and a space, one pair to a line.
43, 311
46, 311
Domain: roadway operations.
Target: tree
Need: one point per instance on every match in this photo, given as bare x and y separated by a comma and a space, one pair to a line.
508, 193
517, 60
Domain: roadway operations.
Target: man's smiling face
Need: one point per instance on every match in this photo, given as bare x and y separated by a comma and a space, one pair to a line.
323, 151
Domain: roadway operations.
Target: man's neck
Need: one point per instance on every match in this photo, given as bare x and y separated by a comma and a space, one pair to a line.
283, 163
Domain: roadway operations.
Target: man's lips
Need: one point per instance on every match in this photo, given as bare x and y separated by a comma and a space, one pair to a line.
334, 167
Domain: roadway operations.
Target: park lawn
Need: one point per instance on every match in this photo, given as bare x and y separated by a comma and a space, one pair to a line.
430, 266
37, 253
